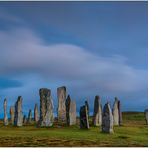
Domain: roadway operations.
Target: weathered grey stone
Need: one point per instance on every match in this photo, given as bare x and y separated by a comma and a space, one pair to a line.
18, 117
5, 112
61, 93
24, 119
12, 112
116, 112
120, 113
84, 123
86, 103
46, 108
67, 103
107, 119
70, 111
117, 115
146, 115
97, 117
36, 113
29, 120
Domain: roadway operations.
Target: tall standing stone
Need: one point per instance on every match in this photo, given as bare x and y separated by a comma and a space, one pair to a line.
107, 119
86, 103
117, 115
84, 123
61, 93
24, 119
36, 113
12, 112
46, 108
67, 103
97, 116
29, 120
5, 112
18, 118
146, 115
70, 111
120, 113
116, 112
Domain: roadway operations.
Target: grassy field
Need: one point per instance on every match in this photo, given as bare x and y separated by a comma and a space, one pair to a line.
133, 132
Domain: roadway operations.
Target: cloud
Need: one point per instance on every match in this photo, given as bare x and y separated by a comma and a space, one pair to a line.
26, 59
24, 52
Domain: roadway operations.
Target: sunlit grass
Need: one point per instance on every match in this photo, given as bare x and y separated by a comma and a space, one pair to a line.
133, 132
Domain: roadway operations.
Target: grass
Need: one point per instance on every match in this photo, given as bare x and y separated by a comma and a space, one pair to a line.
133, 132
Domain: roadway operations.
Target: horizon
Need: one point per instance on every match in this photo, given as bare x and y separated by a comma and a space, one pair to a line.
92, 48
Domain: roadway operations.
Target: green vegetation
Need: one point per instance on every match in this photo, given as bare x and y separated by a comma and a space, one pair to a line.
133, 132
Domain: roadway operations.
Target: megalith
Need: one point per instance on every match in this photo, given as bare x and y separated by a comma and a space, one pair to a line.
87, 105
5, 112
18, 117
97, 115
46, 108
84, 123
107, 119
29, 120
24, 119
12, 112
67, 103
36, 113
117, 115
61, 93
70, 111
146, 115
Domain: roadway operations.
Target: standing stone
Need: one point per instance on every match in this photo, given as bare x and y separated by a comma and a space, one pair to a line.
120, 113
12, 112
116, 112
146, 115
107, 119
29, 116
18, 118
61, 93
84, 123
46, 108
86, 103
5, 112
117, 115
67, 103
97, 117
36, 113
70, 111
24, 119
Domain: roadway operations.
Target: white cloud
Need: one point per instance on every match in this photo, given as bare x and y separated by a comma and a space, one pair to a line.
23, 52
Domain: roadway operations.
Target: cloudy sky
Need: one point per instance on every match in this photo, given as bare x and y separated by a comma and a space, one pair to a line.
93, 48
